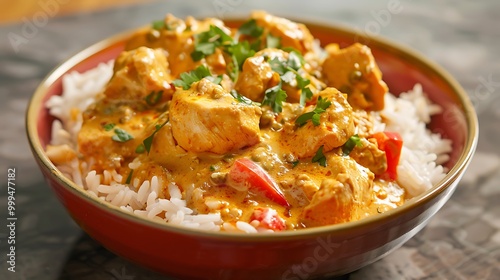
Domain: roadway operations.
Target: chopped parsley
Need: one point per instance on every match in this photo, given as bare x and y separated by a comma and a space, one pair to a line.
206, 42
273, 41
108, 126
242, 99
319, 157
352, 142
288, 71
154, 97
315, 114
121, 135
251, 28
274, 97
129, 177
188, 78
158, 25
146, 144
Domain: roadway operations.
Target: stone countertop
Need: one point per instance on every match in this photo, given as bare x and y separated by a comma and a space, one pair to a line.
461, 242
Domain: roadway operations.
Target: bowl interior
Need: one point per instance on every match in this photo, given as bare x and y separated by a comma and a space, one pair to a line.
402, 69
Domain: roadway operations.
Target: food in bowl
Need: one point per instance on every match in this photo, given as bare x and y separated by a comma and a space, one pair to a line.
253, 129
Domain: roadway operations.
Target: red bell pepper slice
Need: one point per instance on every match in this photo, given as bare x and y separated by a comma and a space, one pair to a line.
246, 173
268, 218
392, 144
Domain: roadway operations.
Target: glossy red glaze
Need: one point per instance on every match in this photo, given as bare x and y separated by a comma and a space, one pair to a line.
331, 250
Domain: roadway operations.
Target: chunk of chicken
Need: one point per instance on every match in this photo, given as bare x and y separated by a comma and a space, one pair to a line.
206, 118
370, 156
353, 70
141, 75
341, 199
335, 127
257, 76
164, 150
103, 144
176, 38
292, 34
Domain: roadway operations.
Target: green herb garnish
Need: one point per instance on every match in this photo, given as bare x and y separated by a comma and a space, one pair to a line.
251, 28
154, 97
319, 157
140, 149
243, 99
288, 71
273, 41
352, 142
108, 126
188, 78
274, 97
240, 52
206, 42
129, 177
158, 25
149, 140
315, 114
121, 135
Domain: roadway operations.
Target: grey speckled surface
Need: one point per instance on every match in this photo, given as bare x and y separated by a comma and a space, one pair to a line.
461, 242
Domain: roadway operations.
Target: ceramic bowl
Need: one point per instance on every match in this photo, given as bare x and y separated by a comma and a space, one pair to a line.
324, 251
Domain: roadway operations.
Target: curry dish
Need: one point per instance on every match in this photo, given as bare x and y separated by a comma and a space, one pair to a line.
257, 123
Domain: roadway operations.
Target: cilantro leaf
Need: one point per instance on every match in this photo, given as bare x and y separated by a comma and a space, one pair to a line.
146, 143
121, 135
305, 94
274, 97
201, 50
206, 42
251, 28
295, 60
129, 177
302, 82
158, 24
278, 66
319, 157
240, 52
314, 115
242, 99
154, 97
188, 78
108, 126
352, 142
273, 41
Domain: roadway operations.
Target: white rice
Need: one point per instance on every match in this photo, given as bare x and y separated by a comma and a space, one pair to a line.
423, 151
418, 170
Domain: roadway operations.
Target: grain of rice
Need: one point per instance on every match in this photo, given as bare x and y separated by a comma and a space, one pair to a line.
151, 199
142, 194
117, 200
245, 227
174, 191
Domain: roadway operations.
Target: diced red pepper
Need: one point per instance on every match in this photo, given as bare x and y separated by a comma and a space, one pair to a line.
268, 218
392, 144
248, 174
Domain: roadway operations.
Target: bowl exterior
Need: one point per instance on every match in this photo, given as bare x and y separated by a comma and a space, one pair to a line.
334, 250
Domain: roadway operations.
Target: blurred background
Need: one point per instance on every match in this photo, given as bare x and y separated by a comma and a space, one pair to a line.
461, 242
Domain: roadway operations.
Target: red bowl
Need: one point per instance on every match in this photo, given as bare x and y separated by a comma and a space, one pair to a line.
324, 251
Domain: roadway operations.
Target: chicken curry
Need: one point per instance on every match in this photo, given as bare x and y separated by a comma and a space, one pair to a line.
257, 123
